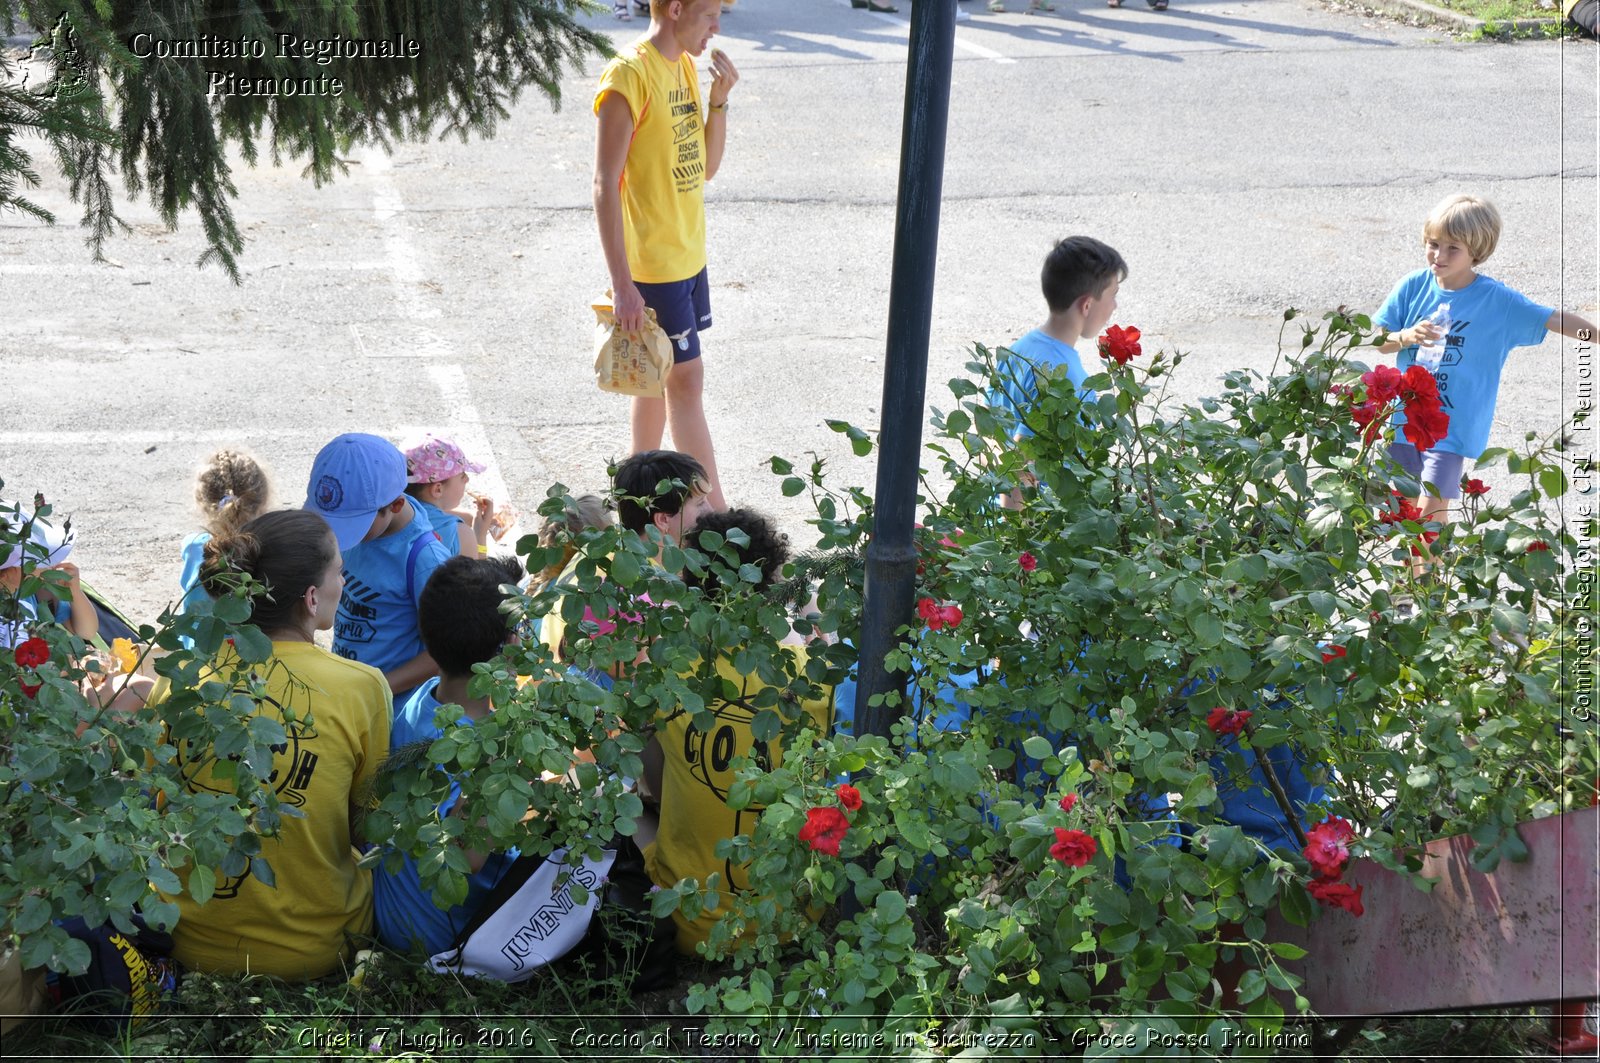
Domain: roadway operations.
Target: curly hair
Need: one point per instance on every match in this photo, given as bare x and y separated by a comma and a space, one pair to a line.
231, 489
767, 549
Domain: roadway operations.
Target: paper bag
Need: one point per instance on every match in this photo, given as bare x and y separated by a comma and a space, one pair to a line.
631, 363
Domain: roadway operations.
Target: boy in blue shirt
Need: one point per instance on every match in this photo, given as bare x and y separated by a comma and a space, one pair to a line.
462, 625
358, 485
1487, 319
1080, 280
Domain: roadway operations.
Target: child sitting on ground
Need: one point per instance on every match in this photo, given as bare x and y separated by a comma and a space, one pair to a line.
586, 512
231, 490
690, 770
35, 545
1487, 320
462, 625
437, 474
358, 485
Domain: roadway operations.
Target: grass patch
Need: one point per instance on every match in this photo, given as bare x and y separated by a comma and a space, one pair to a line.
399, 1012
1499, 14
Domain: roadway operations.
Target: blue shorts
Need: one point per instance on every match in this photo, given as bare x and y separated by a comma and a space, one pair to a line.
1438, 471
683, 310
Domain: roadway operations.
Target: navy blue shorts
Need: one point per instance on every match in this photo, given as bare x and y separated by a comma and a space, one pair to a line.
683, 310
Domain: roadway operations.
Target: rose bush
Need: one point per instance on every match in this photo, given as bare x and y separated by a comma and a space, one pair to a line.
1197, 608
95, 820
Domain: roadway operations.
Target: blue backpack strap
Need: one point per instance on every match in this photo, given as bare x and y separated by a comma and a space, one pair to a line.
411, 563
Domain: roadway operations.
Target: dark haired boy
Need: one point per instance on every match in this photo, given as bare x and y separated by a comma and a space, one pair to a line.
663, 489
1080, 280
462, 625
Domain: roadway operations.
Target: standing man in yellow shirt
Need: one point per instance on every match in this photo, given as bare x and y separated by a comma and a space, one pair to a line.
657, 147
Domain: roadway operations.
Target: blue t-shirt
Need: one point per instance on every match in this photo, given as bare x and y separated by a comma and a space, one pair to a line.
1037, 352
194, 555
447, 526
383, 581
1487, 319
405, 913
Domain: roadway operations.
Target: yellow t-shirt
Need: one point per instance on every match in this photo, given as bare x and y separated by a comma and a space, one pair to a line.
301, 928
663, 181
695, 777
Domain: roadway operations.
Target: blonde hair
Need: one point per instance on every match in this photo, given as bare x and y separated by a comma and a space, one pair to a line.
586, 511
658, 8
231, 489
1471, 221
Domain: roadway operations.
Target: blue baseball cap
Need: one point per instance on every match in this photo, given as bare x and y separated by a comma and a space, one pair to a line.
353, 477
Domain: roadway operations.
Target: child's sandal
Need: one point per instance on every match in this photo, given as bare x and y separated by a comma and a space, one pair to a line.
621, 12
997, 7
1041, 6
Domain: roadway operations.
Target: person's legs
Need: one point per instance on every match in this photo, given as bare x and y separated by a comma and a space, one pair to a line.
648, 420
683, 309
686, 420
1441, 484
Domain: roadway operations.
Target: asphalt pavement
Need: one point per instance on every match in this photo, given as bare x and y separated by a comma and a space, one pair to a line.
1244, 156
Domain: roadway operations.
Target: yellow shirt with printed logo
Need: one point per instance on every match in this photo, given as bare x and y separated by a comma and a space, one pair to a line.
664, 178
301, 929
696, 775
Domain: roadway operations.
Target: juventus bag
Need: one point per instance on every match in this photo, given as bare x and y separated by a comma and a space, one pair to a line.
531, 920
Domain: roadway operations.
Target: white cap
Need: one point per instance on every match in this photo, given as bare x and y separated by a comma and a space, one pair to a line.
44, 544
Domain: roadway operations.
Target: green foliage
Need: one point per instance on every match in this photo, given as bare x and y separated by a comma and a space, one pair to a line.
96, 819
1188, 558
173, 122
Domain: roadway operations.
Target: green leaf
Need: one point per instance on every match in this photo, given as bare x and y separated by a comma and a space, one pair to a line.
625, 569
1552, 481
202, 883
1508, 619
252, 645
1037, 746
1287, 950
792, 486
1323, 604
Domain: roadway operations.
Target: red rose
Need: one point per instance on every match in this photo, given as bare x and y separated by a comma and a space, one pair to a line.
1120, 344
1426, 539
1334, 654
1068, 801
1225, 721
949, 543
938, 616
1418, 386
1473, 487
1340, 390
1366, 416
1538, 545
1328, 846
29, 689
848, 796
1073, 847
1425, 425
824, 830
1337, 895
1383, 384
1404, 509
1027, 561
31, 653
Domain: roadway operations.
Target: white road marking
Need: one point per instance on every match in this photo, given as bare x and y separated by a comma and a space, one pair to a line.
965, 45
458, 417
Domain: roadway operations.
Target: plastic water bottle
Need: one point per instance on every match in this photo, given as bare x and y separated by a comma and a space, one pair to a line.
1431, 354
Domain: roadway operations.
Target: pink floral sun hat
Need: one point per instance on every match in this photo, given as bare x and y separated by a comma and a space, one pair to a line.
434, 458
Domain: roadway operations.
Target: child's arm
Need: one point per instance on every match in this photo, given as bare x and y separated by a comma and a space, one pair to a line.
1570, 325
482, 519
84, 622
414, 672
1420, 333
467, 541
